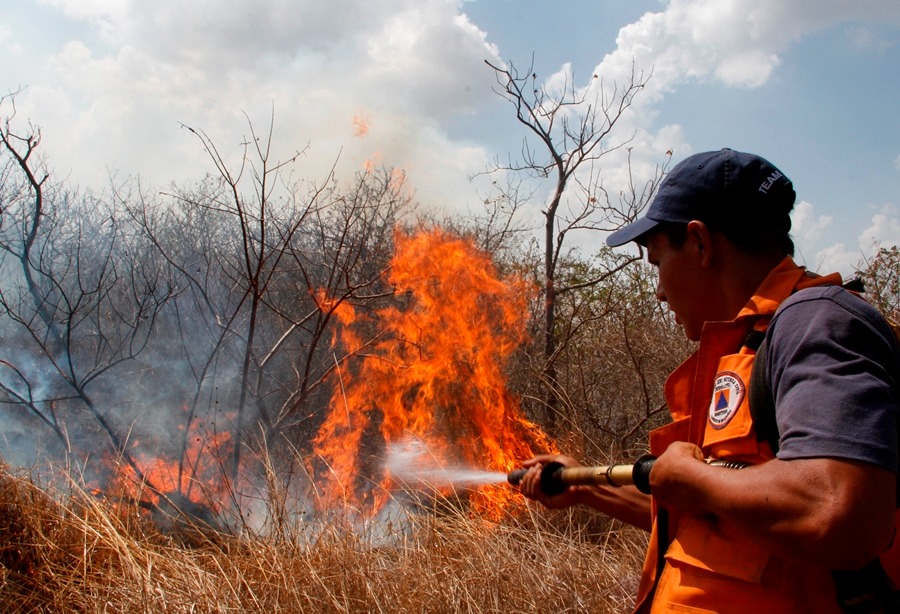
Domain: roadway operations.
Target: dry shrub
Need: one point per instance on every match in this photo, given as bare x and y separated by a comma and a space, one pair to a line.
85, 554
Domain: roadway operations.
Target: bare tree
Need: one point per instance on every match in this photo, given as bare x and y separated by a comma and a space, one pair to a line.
78, 303
154, 319
260, 252
342, 259
573, 131
266, 263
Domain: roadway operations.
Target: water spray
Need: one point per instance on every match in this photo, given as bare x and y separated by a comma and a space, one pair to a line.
410, 464
556, 477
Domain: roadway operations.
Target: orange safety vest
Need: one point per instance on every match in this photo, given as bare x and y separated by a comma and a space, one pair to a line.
712, 566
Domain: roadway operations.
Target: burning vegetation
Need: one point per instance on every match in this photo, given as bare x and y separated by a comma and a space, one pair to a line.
428, 371
434, 371
419, 400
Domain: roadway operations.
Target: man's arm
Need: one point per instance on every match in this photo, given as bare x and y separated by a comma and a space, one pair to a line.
625, 503
837, 513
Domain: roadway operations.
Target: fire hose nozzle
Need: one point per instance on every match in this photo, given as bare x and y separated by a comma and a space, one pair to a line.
556, 477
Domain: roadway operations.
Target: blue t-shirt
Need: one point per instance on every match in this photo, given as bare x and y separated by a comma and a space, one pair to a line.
833, 364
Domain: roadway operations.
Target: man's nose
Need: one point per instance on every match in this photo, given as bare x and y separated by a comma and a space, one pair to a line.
660, 295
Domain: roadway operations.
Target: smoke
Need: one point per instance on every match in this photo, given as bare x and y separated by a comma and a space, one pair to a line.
121, 74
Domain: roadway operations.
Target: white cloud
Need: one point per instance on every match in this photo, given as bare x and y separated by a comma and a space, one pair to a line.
807, 226
737, 42
9, 45
114, 93
90, 9
809, 229
751, 68
866, 38
836, 258
671, 138
884, 230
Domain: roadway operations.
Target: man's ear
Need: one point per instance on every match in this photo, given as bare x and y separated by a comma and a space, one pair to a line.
700, 238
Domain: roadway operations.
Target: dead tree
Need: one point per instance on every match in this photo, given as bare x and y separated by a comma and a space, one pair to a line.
266, 225
342, 259
266, 263
78, 304
569, 130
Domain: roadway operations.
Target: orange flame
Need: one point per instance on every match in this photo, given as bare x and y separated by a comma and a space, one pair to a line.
199, 475
433, 370
360, 125
372, 162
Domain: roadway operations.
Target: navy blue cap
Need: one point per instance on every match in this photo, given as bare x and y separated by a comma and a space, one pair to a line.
720, 188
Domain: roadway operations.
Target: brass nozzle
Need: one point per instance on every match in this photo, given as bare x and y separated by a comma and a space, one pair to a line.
556, 477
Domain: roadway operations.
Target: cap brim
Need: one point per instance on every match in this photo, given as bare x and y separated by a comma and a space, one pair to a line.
631, 232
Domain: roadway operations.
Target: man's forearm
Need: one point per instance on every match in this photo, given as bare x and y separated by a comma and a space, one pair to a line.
837, 513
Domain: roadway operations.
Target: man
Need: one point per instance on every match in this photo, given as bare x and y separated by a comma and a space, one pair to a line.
766, 538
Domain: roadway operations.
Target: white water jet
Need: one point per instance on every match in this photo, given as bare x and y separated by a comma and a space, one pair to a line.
410, 464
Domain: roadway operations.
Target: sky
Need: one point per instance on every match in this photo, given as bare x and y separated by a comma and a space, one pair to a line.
811, 85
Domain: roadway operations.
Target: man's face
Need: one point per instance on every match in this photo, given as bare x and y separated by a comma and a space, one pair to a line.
681, 282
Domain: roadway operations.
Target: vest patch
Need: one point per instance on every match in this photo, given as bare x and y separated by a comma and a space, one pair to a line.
728, 392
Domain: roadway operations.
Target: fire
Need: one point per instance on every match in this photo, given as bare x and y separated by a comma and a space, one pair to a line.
197, 475
360, 125
373, 162
434, 370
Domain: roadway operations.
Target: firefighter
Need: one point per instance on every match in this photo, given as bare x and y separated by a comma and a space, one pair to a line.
809, 526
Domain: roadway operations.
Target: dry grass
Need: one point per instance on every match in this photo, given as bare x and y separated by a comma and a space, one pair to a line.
82, 554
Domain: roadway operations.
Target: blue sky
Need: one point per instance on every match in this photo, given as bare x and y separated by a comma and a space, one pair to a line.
810, 84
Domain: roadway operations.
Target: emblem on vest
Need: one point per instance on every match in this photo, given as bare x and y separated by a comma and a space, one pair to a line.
728, 392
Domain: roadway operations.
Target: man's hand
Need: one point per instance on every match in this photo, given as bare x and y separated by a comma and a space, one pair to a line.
675, 468
835, 512
531, 483
624, 503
